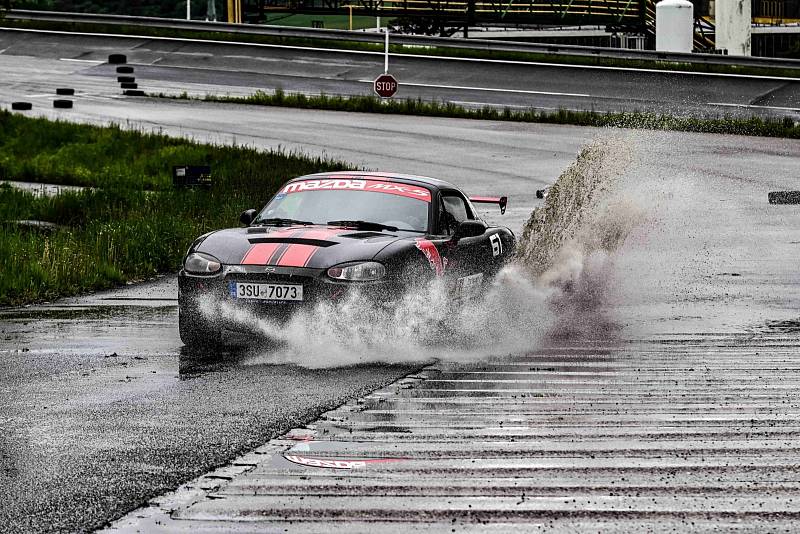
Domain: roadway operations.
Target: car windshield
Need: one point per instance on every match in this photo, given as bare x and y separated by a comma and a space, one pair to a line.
391, 204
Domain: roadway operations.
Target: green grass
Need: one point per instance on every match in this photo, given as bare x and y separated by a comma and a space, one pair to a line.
134, 224
402, 49
755, 126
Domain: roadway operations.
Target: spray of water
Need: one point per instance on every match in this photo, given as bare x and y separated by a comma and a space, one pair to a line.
557, 285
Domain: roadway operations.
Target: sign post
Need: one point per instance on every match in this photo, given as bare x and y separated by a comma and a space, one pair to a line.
386, 53
385, 85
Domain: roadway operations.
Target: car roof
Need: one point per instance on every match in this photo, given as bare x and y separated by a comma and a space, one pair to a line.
387, 176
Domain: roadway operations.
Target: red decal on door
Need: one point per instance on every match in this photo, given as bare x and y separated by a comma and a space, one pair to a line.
432, 253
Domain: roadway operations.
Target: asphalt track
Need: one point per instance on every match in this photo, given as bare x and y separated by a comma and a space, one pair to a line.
174, 66
704, 307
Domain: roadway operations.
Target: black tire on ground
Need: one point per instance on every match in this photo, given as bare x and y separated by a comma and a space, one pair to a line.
784, 197
197, 331
62, 104
117, 59
124, 70
126, 79
21, 106
133, 92
66, 91
129, 85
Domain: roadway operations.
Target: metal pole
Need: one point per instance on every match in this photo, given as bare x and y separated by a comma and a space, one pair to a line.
386, 56
351, 17
378, 23
188, 9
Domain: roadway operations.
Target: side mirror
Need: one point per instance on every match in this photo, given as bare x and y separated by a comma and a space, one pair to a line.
469, 229
247, 217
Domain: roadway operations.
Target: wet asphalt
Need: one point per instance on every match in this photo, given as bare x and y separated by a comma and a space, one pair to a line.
97, 415
201, 68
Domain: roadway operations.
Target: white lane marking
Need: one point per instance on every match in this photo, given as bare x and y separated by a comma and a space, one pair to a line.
39, 96
490, 89
416, 56
93, 61
751, 106
491, 104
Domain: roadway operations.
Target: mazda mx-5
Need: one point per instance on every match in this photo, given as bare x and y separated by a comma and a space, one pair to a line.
322, 235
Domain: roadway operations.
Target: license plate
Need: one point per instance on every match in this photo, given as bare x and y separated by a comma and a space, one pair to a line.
282, 292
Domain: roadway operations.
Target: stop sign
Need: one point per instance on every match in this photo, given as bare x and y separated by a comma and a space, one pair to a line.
385, 86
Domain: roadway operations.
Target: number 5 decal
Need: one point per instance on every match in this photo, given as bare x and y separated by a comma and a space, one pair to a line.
497, 245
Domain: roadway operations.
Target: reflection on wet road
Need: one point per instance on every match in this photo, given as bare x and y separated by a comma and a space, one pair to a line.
676, 432
96, 416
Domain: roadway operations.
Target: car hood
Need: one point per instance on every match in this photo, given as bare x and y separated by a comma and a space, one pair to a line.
296, 246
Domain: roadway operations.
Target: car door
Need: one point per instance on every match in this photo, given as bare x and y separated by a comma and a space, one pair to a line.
469, 258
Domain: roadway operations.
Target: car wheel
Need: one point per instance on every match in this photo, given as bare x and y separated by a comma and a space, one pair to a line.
196, 331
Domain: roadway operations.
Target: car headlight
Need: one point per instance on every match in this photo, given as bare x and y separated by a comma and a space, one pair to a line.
358, 272
199, 263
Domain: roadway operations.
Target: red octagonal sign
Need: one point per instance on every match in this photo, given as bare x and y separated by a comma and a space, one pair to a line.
385, 86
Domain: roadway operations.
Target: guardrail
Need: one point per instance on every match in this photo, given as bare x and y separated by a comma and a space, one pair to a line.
405, 40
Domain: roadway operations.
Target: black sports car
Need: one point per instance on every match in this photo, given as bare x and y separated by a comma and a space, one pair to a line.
323, 234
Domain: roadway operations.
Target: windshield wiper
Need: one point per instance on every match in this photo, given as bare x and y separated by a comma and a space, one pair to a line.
277, 221
363, 225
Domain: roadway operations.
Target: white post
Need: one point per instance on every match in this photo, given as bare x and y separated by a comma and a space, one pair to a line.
386, 56
378, 23
188, 9
733, 20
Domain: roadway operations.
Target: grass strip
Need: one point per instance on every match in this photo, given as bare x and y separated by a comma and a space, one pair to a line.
754, 126
472, 53
133, 224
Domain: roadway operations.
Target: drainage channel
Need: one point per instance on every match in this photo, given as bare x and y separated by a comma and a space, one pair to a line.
698, 432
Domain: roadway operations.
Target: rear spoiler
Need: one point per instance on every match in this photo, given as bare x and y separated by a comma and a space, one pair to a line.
500, 201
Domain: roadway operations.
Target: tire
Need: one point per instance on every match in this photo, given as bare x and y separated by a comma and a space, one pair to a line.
124, 70
133, 92
129, 85
197, 332
784, 197
126, 79
117, 59
21, 106
66, 91
62, 104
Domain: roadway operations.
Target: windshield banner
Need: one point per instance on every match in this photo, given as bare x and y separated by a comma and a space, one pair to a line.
390, 188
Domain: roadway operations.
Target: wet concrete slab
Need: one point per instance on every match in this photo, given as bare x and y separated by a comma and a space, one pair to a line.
689, 455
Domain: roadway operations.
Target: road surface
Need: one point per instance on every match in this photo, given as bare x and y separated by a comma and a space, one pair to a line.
199, 68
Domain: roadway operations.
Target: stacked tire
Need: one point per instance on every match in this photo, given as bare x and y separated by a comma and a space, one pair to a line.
126, 81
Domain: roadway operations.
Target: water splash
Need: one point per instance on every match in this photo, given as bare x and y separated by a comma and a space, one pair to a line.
557, 285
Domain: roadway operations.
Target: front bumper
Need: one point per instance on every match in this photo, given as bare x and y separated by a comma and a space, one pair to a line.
317, 287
